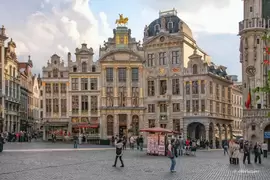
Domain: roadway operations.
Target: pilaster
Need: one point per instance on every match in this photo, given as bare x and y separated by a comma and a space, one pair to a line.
103, 126
116, 124
129, 120
142, 123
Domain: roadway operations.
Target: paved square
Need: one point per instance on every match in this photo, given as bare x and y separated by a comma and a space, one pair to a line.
97, 165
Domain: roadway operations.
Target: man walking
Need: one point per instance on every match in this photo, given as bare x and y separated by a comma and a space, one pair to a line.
246, 150
171, 155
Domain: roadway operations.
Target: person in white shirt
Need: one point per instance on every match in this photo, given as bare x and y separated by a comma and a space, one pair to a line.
132, 141
264, 149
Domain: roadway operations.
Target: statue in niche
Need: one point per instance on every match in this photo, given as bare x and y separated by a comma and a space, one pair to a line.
194, 87
163, 87
135, 99
110, 100
121, 97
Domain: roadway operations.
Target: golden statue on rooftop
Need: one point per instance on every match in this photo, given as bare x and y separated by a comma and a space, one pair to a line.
122, 20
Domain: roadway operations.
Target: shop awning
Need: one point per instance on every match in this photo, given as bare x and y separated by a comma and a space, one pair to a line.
87, 126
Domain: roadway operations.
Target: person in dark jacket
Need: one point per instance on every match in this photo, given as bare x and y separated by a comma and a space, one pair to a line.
1, 143
246, 150
141, 142
257, 153
119, 152
75, 141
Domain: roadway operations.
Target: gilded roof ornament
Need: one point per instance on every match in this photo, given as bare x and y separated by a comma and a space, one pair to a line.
122, 21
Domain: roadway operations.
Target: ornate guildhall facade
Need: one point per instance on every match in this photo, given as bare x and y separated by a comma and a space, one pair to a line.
122, 84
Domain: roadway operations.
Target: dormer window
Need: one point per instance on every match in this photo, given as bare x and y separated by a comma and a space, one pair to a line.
157, 28
93, 68
194, 69
84, 67
74, 69
49, 74
55, 73
55, 62
170, 25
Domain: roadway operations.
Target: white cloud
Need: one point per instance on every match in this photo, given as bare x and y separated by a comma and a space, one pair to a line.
60, 31
212, 16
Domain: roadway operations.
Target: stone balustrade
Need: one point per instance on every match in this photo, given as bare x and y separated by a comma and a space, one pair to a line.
257, 23
255, 113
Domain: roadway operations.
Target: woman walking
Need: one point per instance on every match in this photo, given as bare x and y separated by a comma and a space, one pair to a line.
119, 152
171, 155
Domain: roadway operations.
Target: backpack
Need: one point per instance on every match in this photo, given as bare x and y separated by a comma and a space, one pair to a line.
118, 151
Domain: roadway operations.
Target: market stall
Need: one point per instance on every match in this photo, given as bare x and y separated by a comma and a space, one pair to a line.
156, 140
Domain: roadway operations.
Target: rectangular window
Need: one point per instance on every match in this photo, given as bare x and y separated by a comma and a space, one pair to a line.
175, 57
195, 106
151, 88
217, 92
48, 105
223, 108
48, 88
84, 84
135, 74
151, 123
187, 87
202, 87
163, 87
55, 105
122, 74
63, 107
188, 105
74, 84
163, 107
109, 74
176, 107
217, 108
41, 104
175, 87
223, 92
75, 104
203, 105
176, 125
84, 104
94, 104
211, 106
63, 88
162, 58
151, 108
94, 83
150, 60
55, 88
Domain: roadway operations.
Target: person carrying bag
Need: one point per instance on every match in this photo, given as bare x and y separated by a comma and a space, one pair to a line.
171, 155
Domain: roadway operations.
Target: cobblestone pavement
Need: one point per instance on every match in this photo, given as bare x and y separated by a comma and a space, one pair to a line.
97, 165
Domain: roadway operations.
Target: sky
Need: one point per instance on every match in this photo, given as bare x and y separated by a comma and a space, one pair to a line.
41, 28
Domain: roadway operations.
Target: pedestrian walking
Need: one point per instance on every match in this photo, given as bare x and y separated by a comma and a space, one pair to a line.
225, 147
171, 155
257, 152
246, 150
119, 152
141, 142
264, 149
236, 152
75, 141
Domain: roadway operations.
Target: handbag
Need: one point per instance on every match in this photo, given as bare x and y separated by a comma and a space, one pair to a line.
170, 154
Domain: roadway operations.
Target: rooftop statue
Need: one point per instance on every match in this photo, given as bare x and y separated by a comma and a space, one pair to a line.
122, 20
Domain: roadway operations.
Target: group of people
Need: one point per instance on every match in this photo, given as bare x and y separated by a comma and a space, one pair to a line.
132, 141
233, 148
21, 136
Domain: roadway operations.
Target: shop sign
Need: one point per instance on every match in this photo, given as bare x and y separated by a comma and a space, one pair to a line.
267, 135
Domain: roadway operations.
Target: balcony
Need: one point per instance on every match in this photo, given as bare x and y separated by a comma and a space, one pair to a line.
256, 113
255, 23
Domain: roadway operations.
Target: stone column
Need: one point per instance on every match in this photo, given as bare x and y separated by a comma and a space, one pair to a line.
220, 136
128, 84
116, 124
103, 126
214, 136
129, 120
115, 83
8, 123
226, 131
157, 87
19, 124
207, 132
142, 122
11, 123
184, 129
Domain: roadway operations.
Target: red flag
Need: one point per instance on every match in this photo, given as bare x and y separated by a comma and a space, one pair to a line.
248, 102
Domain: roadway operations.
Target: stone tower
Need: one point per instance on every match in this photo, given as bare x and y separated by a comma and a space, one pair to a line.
251, 30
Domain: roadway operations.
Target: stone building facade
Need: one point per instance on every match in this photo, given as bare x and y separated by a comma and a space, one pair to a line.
3, 38
84, 92
36, 103
12, 89
255, 25
122, 83
55, 100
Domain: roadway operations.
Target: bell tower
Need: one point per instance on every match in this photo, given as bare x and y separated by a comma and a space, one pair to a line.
251, 31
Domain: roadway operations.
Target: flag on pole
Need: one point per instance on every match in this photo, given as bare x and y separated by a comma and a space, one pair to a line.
248, 102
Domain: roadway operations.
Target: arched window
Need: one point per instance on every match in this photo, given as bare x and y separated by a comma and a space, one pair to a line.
93, 68
84, 67
74, 69
55, 73
135, 125
195, 69
110, 125
157, 28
